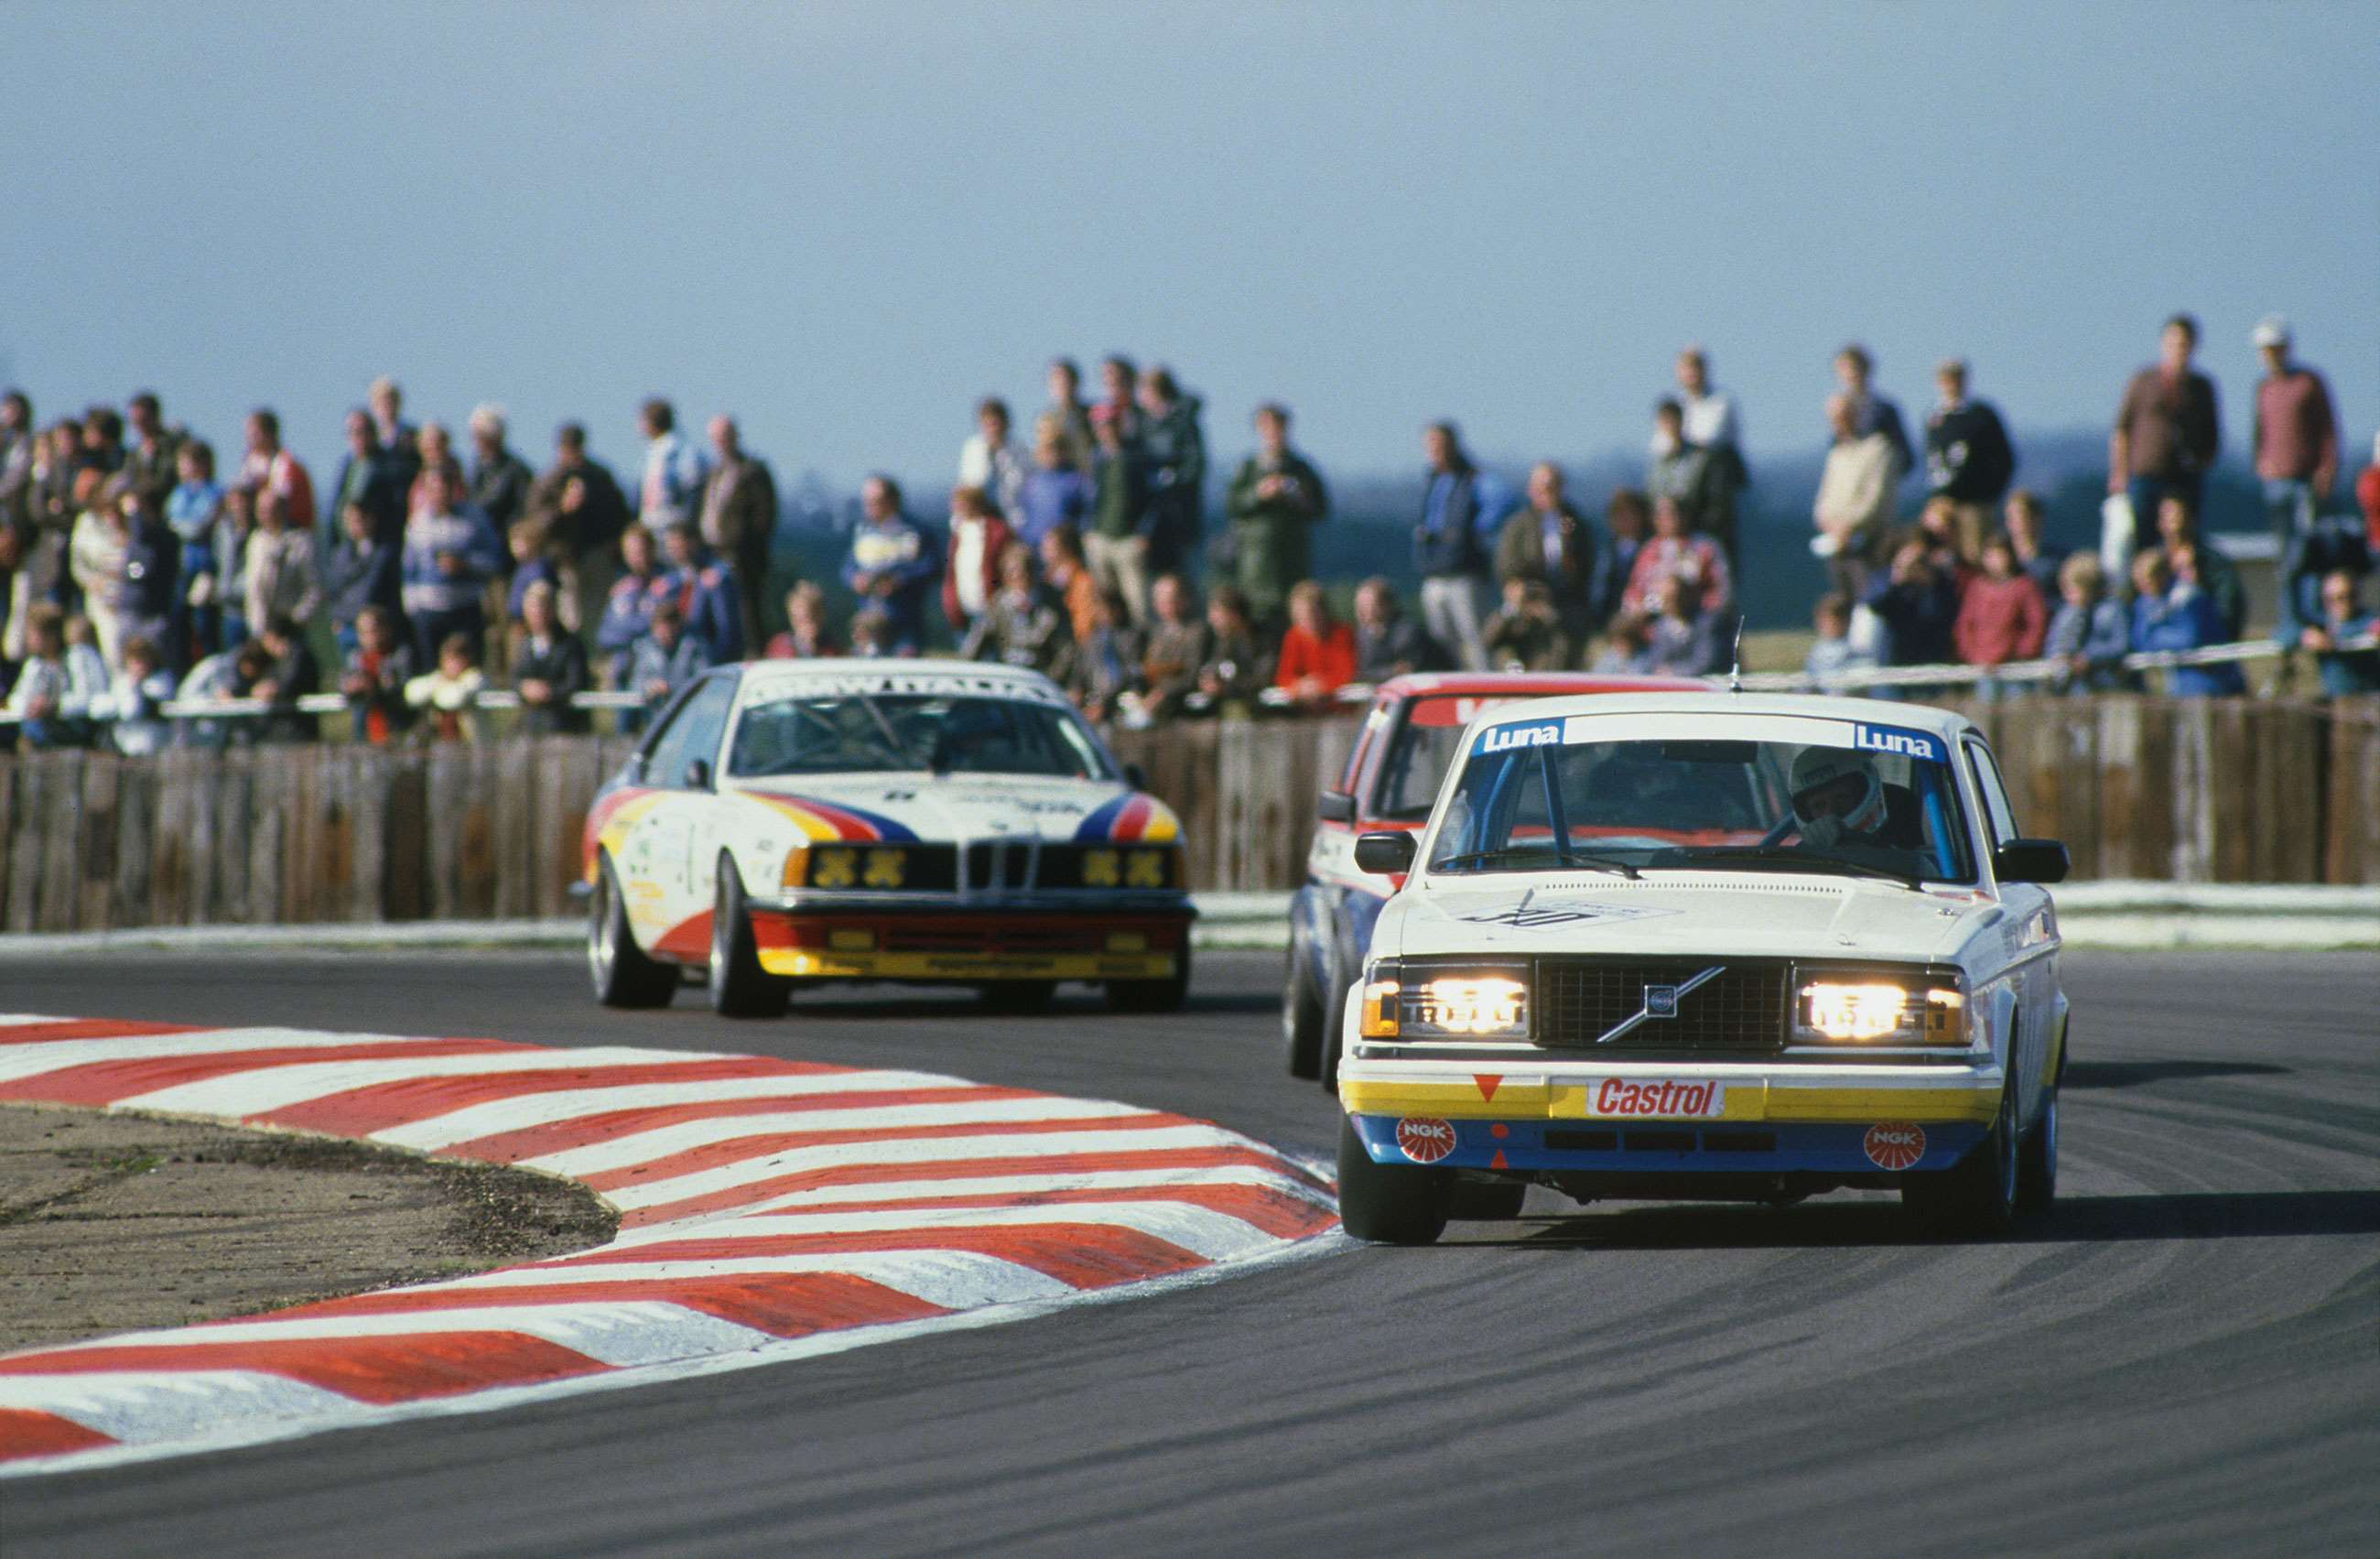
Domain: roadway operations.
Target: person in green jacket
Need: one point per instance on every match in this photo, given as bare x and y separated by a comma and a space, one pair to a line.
1274, 499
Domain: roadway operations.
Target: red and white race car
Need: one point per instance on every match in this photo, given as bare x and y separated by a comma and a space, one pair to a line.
1410, 735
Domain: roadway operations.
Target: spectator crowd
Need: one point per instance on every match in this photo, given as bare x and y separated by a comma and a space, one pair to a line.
139, 567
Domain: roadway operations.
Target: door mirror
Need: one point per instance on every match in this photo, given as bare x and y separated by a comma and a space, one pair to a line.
1136, 776
698, 775
1384, 855
1335, 806
2031, 860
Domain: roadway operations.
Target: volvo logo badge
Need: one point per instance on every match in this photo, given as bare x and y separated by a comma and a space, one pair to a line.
1660, 1000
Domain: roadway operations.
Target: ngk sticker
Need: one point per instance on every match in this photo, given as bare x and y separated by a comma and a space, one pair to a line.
1424, 1139
1663, 1096
1894, 1144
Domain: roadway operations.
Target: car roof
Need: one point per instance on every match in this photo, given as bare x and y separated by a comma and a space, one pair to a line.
1531, 684
1715, 703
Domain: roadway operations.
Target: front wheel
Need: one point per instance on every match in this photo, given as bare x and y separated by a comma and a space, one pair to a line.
616, 967
1978, 1194
1387, 1203
739, 987
1154, 995
2036, 1164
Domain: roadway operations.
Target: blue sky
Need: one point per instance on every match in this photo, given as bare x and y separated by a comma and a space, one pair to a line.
844, 222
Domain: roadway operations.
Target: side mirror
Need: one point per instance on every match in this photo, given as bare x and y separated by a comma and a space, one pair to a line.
2031, 860
1136, 776
698, 775
1335, 806
1384, 855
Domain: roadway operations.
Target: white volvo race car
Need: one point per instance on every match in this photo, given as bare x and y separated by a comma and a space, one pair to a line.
791, 822
1706, 945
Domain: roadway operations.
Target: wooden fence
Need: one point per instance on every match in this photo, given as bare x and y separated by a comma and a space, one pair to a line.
2221, 791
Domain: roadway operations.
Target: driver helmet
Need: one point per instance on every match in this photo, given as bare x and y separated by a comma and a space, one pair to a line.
1819, 769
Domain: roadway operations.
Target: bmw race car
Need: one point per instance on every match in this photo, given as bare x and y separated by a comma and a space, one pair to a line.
1409, 736
788, 823
1706, 945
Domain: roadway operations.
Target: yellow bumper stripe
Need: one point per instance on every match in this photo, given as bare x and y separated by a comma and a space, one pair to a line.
812, 964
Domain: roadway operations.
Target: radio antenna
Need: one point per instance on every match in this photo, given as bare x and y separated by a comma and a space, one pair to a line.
1735, 672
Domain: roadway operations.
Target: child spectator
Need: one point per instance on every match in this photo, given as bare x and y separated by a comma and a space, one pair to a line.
2345, 670
449, 559
1064, 570
1682, 639
1672, 550
979, 539
1177, 645
667, 658
1629, 650
451, 692
1105, 661
1021, 624
2001, 616
548, 665
360, 572
2169, 614
281, 581
871, 633
806, 635
1388, 643
1317, 655
1525, 633
706, 593
379, 668
1234, 673
143, 684
2091, 634
1835, 657
892, 565
629, 606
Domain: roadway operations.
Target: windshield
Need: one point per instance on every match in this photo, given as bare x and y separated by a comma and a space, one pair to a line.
1424, 744
857, 733
1655, 804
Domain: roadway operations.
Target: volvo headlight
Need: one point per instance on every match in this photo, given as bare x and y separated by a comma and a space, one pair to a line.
1920, 1008
1445, 1002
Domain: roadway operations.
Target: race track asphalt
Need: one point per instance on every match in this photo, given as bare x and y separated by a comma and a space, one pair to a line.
2185, 1360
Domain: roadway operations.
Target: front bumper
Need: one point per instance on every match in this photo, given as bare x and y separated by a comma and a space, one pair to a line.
1685, 1117
1003, 942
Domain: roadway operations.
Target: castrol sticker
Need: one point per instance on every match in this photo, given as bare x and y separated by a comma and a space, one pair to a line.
1424, 1139
1894, 1144
1665, 1097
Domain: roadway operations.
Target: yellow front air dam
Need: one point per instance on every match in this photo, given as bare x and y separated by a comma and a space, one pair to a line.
1488, 1097
823, 964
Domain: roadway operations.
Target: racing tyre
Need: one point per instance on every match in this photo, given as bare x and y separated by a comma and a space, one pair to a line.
1018, 996
2036, 1162
739, 987
1488, 1201
1154, 995
1386, 1203
621, 975
1301, 1019
1978, 1194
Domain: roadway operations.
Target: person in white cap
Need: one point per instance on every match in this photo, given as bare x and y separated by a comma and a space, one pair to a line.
2295, 440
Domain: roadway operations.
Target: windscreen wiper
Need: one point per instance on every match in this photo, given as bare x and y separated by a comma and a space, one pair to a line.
1565, 857
1799, 861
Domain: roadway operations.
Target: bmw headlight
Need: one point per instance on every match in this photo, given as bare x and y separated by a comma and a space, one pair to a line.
1920, 1008
1485, 1003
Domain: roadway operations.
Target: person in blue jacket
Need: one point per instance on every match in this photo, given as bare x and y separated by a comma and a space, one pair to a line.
895, 564
705, 594
2177, 614
450, 554
629, 607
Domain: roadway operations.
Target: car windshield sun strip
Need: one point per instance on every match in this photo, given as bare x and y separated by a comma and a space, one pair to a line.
1799, 860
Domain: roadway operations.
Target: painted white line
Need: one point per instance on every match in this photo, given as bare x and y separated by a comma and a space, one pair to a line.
645, 1147
265, 1090
1008, 1185
1200, 1230
524, 1111
173, 1405
614, 1332
31, 1059
922, 1150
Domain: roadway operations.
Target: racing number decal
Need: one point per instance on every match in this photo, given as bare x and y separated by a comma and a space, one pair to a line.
1424, 1139
1894, 1144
